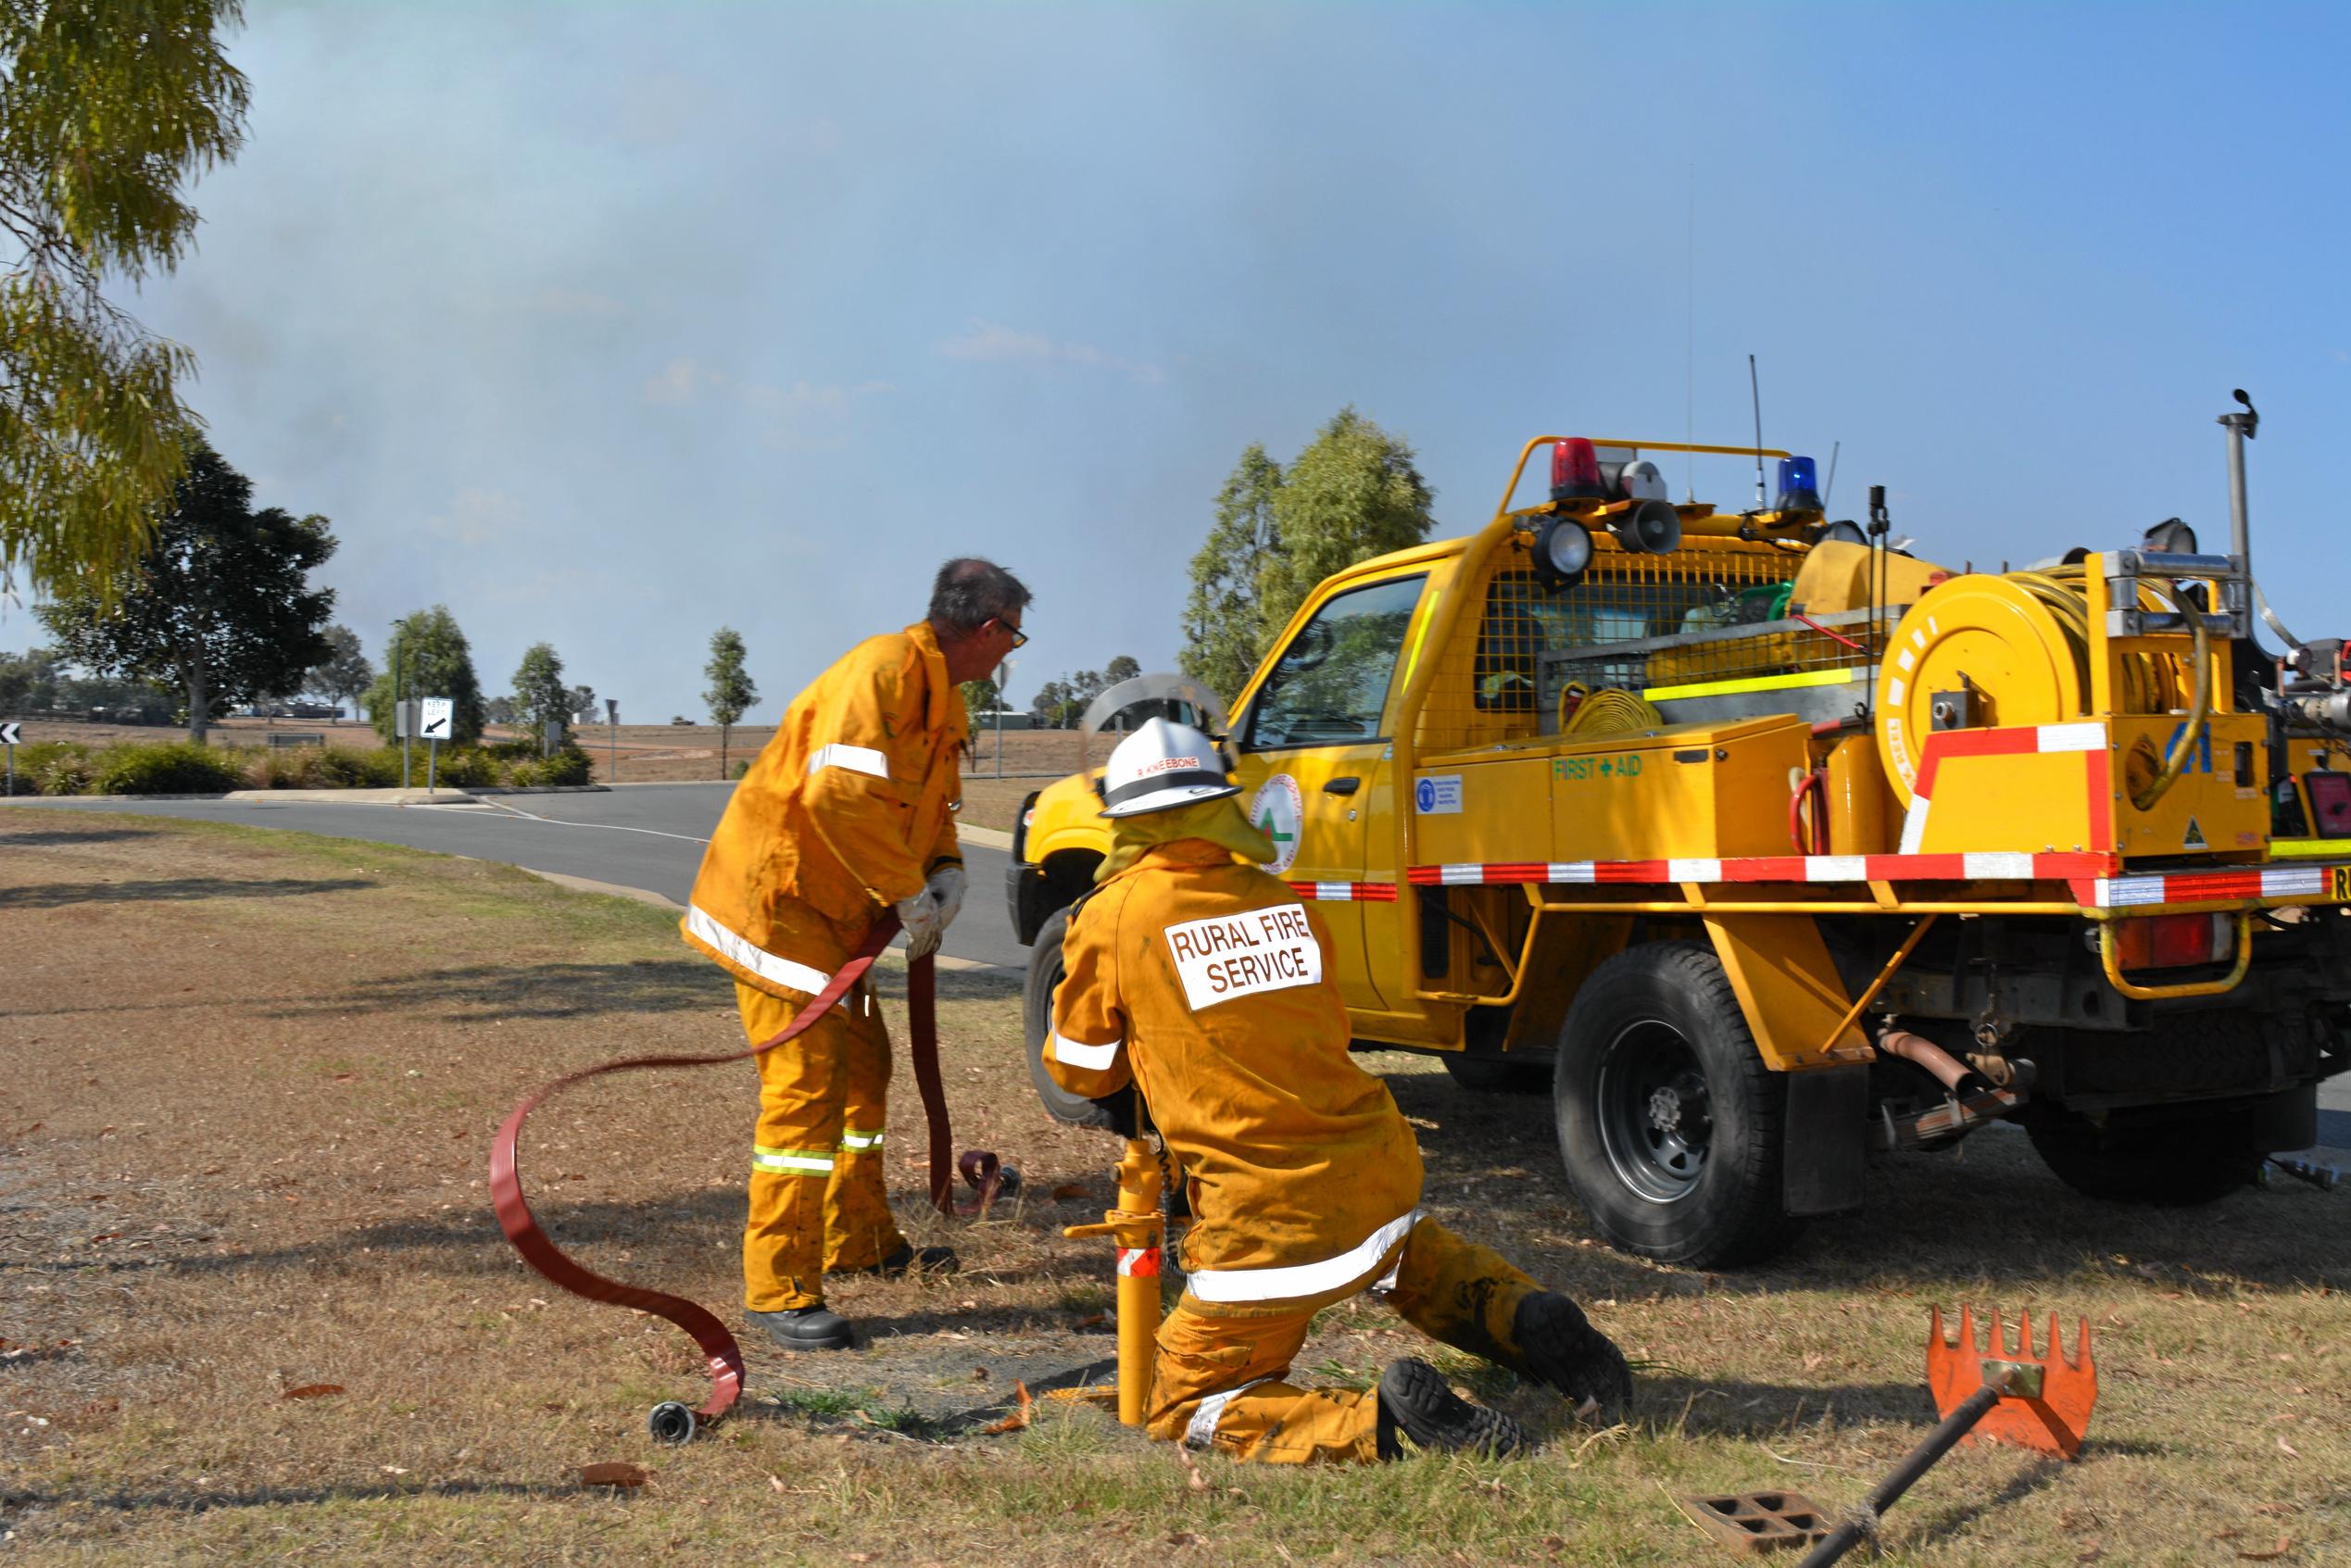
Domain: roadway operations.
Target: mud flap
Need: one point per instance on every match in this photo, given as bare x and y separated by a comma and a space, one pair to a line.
1828, 1126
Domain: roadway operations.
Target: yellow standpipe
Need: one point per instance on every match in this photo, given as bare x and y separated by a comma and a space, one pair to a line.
1137, 1227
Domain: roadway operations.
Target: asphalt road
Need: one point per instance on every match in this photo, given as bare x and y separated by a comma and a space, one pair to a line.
647, 836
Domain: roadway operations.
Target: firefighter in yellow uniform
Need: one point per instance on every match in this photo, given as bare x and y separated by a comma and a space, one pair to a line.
1200, 980
847, 813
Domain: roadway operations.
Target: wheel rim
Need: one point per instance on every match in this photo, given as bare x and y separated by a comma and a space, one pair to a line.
1656, 1118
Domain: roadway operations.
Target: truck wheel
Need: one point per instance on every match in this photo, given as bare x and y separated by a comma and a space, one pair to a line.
1037, 1019
2170, 1165
1670, 1125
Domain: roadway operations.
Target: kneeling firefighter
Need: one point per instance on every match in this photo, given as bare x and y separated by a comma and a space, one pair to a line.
1200, 980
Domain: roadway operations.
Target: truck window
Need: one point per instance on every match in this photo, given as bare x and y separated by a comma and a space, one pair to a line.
1331, 682
1522, 620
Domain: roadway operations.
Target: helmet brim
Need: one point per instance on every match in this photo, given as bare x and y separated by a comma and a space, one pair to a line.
1169, 799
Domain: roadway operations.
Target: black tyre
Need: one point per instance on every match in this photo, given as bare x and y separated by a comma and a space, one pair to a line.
1670, 1125
2169, 1164
1037, 1019
1496, 1075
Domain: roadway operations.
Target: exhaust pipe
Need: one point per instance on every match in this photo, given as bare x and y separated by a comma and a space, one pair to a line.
2241, 428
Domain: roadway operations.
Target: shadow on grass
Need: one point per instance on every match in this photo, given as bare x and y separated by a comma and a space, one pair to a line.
1988, 1211
547, 990
193, 1502
56, 895
66, 838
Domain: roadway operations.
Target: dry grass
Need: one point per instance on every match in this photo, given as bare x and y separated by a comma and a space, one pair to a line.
246, 1085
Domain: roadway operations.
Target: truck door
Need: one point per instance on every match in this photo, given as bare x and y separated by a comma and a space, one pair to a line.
1312, 752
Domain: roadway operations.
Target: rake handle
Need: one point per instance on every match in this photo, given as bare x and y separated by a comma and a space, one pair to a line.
1915, 1463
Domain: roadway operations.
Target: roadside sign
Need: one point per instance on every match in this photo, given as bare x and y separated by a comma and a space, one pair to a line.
9, 740
404, 721
8, 733
439, 714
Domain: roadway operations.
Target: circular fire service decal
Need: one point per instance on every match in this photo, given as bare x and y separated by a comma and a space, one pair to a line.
1278, 812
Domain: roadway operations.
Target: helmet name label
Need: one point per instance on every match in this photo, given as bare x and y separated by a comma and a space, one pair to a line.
1224, 957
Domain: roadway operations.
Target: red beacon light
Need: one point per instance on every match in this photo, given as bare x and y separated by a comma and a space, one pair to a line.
1574, 471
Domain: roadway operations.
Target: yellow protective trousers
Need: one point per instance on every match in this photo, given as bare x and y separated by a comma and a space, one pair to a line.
1220, 1377
819, 1199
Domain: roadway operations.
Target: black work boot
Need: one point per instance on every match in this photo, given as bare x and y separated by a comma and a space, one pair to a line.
906, 1261
1416, 1400
1557, 1345
806, 1328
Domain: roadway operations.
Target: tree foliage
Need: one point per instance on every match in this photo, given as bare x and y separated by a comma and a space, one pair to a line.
428, 656
732, 690
108, 109
219, 606
345, 672
1352, 494
1124, 667
980, 696
540, 696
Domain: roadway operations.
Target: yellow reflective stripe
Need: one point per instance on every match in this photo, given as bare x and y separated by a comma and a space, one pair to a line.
1759, 684
818, 1160
1420, 634
852, 1141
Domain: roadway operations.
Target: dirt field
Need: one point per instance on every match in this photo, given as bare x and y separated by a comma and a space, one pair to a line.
247, 1084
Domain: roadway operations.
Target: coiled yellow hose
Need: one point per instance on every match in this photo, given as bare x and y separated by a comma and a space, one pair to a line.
1611, 709
2149, 684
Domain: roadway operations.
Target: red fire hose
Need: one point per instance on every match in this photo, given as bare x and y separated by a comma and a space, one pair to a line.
672, 1422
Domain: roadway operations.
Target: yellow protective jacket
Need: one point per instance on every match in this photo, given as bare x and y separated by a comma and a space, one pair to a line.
1205, 982
845, 813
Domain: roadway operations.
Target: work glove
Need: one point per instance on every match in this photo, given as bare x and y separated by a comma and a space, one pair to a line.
919, 917
947, 885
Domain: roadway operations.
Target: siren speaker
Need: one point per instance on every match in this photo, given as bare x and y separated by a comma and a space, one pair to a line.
1653, 528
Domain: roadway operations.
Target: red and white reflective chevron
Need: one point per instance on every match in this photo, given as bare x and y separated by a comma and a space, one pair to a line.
1140, 1263
1774, 868
2332, 884
1346, 892
1942, 745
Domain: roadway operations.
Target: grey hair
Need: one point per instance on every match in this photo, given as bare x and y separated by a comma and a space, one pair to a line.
969, 592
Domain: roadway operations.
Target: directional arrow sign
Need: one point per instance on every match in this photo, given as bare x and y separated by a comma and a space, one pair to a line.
439, 713
8, 733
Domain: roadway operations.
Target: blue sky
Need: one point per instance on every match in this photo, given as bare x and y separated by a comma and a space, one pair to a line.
609, 324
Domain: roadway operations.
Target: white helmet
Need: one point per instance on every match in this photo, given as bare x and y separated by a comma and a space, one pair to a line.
1160, 767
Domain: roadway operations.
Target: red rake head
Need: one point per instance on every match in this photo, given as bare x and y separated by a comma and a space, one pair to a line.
2049, 1398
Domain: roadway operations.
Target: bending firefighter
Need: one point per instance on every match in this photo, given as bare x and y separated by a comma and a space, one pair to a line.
1200, 980
847, 813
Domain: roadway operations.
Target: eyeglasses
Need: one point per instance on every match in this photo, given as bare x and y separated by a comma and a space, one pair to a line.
1020, 638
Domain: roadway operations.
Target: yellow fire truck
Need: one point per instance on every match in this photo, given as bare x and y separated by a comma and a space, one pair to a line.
1766, 845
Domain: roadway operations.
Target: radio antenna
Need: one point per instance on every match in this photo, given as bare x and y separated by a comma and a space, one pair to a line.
1830, 488
1754, 389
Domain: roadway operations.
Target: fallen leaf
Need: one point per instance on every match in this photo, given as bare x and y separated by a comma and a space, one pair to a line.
1070, 1189
979, 1374
860, 1557
1187, 1538
1192, 1478
2286, 1544
2092, 1549
777, 1482
618, 1472
1092, 1320
345, 1077
2289, 1447
312, 1391
393, 1469
1018, 1418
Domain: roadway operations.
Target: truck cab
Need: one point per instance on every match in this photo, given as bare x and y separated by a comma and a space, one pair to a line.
1630, 801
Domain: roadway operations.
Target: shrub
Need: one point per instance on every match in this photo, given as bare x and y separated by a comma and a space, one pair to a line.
523, 775
38, 761
467, 765
379, 769
742, 766
568, 766
298, 768
177, 768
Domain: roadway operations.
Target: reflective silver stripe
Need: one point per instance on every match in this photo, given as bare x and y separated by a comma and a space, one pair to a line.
1069, 1053
758, 961
856, 759
1202, 1430
1300, 1279
817, 1161
853, 1141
